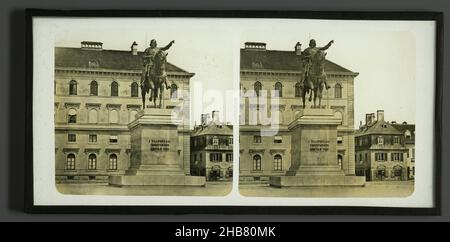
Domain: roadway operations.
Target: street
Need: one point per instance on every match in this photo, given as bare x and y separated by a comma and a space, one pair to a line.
371, 189
211, 189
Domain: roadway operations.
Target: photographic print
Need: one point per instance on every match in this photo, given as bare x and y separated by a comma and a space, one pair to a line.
122, 112
233, 112
311, 126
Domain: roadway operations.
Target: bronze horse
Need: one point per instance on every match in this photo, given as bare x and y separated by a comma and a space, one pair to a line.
315, 79
153, 81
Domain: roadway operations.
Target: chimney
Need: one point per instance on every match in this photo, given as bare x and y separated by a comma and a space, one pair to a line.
380, 115
255, 46
368, 117
215, 116
91, 45
298, 48
134, 50
205, 119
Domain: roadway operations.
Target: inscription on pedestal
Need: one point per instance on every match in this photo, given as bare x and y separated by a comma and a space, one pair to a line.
159, 145
319, 145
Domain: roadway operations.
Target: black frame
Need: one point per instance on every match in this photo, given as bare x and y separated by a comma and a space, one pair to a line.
307, 210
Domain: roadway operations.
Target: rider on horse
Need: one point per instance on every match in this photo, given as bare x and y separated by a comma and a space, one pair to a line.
148, 61
307, 57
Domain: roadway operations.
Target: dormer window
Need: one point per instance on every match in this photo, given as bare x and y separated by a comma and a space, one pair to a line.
408, 134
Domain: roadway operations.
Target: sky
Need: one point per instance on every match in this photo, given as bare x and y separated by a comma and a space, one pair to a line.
383, 53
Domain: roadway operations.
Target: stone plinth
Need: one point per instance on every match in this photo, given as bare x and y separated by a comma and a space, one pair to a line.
314, 153
155, 159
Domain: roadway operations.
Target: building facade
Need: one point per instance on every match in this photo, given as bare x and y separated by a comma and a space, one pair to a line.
97, 95
265, 149
212, 149
409, 132
381, 150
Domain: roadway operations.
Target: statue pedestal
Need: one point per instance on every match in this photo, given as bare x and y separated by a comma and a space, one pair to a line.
155, 159
314, 153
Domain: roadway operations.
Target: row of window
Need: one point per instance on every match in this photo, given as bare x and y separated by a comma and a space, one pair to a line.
298, 89
383, 156
380, 140
115, 89
277, 163
216, 141
114, 116
216, 157
92, 162
257, 139
113, 139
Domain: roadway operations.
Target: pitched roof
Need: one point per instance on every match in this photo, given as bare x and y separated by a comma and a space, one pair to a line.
407, 127
106, 59
213, 128
279, 60
378, 127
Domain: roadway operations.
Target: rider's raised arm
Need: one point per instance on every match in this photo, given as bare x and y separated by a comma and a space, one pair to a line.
327, 46
168, 46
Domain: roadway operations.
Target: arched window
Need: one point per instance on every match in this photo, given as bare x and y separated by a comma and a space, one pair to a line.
113, 116
73, 87
173, 91
93, 117
277, 163
397, 172
94, 88
338, 91
257, 88
257, 163
278, 89
70, 165
92, 162
72, 116
112, 162
298, 89
114, 89
134, 89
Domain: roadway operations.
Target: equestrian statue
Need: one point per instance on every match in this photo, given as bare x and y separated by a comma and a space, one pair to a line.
314, 80
154, 75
